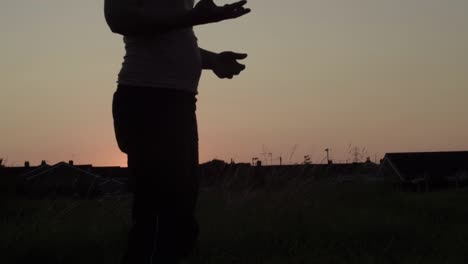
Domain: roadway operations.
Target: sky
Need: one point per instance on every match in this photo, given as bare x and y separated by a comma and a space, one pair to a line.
384, 75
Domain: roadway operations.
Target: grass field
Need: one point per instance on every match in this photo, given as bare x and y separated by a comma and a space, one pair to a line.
302, 223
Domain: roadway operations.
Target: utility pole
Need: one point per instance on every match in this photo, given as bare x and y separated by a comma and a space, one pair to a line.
357, 154
292, 153
328, 155
266, 153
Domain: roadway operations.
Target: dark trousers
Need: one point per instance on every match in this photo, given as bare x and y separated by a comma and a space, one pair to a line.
157, 128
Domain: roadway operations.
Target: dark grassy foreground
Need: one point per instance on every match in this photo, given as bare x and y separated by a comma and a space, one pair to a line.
318, 223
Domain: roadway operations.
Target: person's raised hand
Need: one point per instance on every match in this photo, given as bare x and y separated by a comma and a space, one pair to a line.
206, 11
225, 64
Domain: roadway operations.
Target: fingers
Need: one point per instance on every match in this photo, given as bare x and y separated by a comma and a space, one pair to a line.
234, 71
227, 66
239, 67
236, 10
236, 68
231, 72
208, 12
235, 5
231, 61
234, 55
238, 56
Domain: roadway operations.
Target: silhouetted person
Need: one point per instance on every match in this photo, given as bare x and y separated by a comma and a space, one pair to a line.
154, 116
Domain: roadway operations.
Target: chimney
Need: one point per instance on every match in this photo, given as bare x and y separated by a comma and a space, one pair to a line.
70, 162
26, 164
43, 163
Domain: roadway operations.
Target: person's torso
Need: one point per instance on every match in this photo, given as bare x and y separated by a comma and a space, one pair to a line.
169, 60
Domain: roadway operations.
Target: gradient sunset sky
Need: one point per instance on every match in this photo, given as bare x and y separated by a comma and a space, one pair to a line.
388, 75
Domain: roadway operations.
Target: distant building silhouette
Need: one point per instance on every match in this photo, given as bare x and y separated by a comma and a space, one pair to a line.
245, 175
426, 170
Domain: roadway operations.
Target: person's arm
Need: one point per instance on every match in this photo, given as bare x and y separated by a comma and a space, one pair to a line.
133, 17
224, 64
208, 59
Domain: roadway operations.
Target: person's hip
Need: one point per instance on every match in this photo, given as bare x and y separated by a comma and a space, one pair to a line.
146, 116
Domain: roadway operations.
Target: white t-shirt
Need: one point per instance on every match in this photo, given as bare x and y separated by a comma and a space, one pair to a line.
170, 60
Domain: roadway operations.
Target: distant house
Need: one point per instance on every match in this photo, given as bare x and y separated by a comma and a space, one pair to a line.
112, 187
426, 169
66, 179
